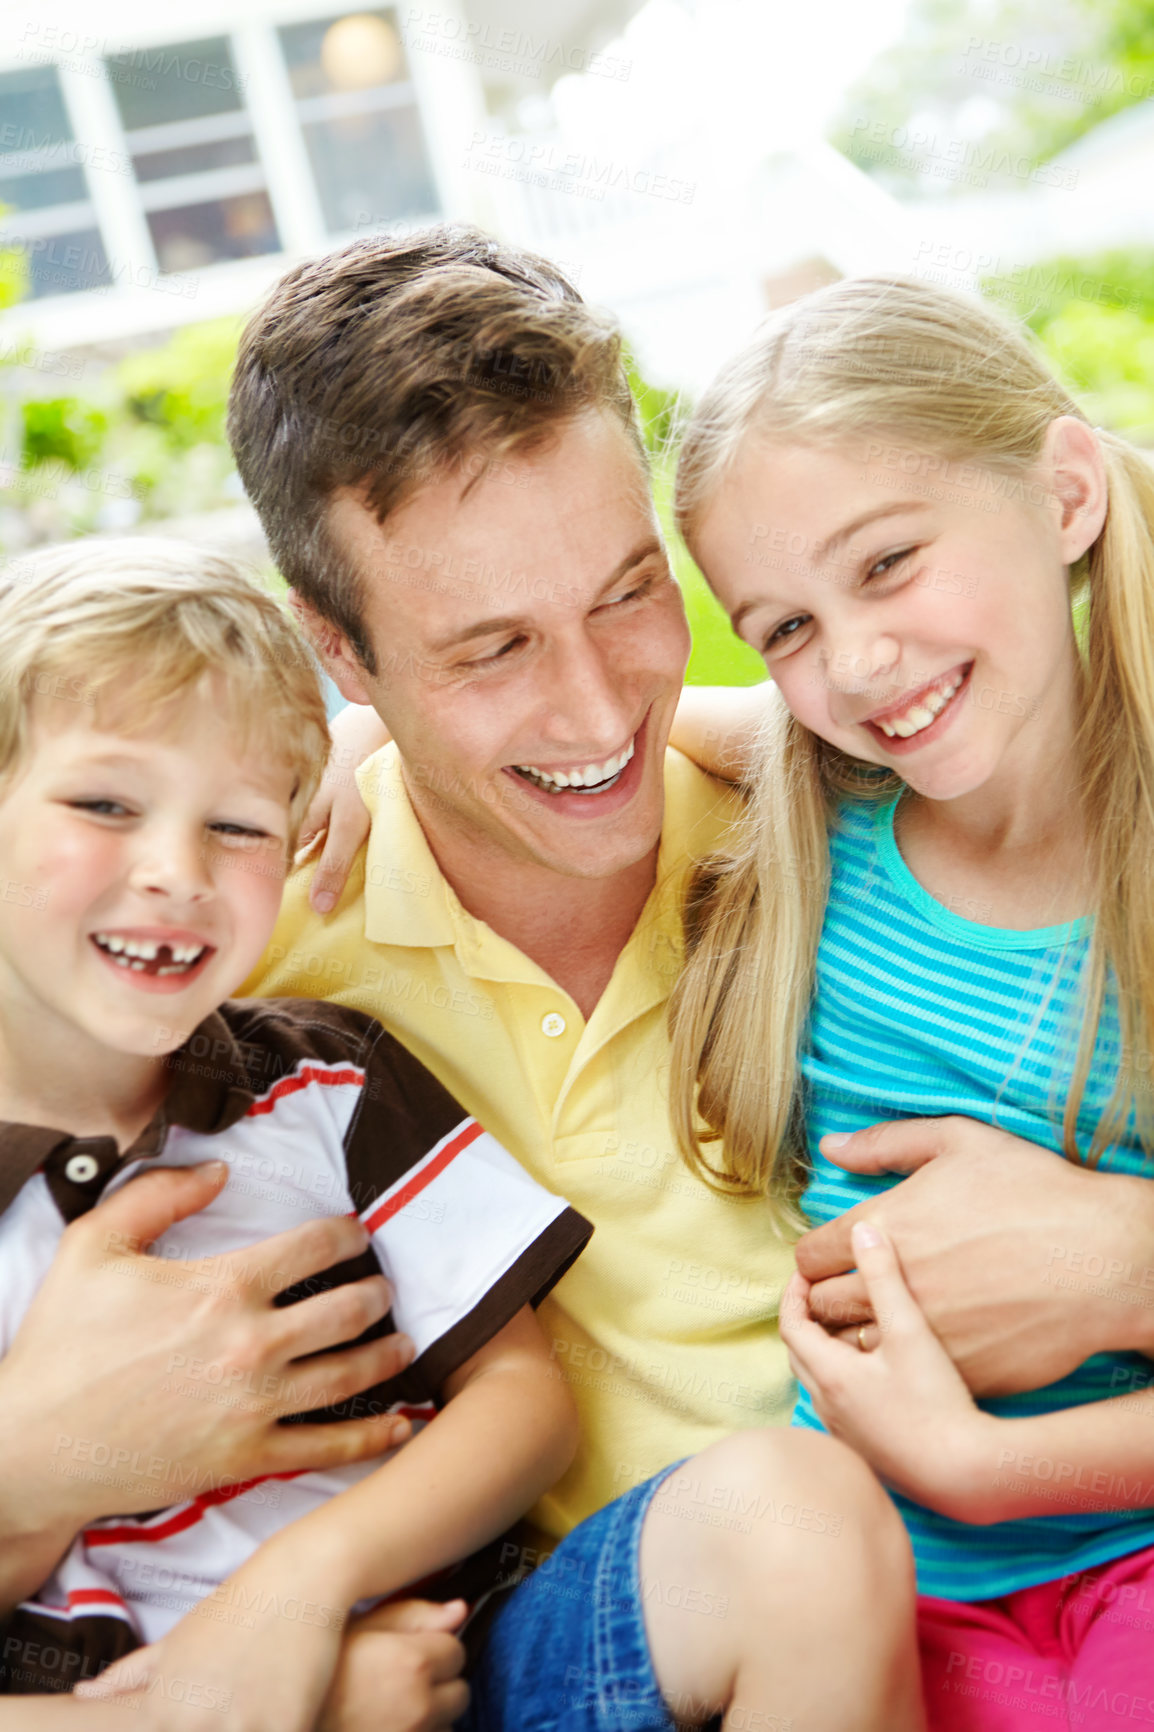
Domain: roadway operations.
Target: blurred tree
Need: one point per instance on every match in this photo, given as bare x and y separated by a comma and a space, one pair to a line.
1095, 318
983, 95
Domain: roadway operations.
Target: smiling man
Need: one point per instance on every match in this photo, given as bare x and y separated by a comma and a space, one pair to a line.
443, 448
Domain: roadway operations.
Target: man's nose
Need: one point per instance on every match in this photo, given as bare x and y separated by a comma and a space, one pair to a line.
587, 707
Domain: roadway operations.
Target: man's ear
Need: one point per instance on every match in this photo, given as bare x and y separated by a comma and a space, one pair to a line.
1078, 479
337, 655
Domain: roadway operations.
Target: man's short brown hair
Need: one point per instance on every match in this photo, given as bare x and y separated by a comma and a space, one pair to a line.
380, 366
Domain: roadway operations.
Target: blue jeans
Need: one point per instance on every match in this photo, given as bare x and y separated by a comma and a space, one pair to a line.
568, 1653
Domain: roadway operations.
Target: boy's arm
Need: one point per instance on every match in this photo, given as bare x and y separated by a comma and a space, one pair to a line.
717, 727
506, 1434
508, 1431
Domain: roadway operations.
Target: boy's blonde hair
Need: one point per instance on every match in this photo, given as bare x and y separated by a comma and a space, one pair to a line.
130, 624
903, 361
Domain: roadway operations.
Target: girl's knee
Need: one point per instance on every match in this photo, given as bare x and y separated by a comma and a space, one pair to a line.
796, 1489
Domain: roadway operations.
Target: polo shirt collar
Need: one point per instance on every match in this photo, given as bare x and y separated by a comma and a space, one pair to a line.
408, 900
206, 1097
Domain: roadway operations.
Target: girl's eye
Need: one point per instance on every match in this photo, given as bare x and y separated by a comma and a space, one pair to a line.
789, 628
889, 563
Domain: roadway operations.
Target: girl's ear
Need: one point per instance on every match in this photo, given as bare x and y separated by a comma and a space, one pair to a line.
336, 654
1077, 474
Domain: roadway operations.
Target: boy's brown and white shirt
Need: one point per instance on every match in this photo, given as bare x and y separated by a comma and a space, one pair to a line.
318, 1111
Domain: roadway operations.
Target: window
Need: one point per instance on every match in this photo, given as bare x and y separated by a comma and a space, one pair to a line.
44, 197
358, 113
201, 182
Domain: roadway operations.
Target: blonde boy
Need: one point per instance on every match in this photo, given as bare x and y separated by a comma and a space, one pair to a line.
161, 735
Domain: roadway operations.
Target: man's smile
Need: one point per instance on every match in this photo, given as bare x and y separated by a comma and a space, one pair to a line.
591, 779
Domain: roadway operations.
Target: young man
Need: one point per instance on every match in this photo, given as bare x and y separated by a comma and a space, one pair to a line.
161, 731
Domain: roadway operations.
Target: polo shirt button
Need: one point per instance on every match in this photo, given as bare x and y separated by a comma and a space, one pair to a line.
80, 1168
553, 1024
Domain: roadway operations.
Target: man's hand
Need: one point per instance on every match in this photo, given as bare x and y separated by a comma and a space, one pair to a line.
111, 1391
1023, 1263
400, 1671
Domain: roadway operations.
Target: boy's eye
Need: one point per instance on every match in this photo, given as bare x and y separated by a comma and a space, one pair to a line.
888, 563
239, 832
101, 808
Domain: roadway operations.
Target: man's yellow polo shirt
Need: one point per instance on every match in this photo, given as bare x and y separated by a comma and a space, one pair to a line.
666, 1326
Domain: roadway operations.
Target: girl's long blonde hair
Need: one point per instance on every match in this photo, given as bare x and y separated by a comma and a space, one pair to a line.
910, 364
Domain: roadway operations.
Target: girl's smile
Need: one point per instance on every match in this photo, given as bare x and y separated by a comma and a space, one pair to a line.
925, 628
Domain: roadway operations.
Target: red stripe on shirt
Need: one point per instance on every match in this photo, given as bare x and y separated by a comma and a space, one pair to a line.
291, 1085
184, 1518
95, 1597
392, 1205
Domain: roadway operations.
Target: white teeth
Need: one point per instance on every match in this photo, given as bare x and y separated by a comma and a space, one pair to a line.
929, 707
135, 952
591, 776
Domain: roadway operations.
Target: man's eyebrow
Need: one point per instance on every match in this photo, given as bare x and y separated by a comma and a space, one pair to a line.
515, 621
823, 550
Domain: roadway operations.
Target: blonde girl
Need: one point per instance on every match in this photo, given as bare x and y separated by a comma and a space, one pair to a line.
942, 902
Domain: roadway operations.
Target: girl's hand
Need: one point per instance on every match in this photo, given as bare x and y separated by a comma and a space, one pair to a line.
903, 1406
337, 806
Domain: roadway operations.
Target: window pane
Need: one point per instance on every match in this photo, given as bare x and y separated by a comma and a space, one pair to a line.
371, 168
33, 109
34, 191
360, 51
193, 158
38, 172
66, 264
176, 82
205, 234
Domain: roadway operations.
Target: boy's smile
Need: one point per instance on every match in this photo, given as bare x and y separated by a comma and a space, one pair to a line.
166, 957
157, 858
